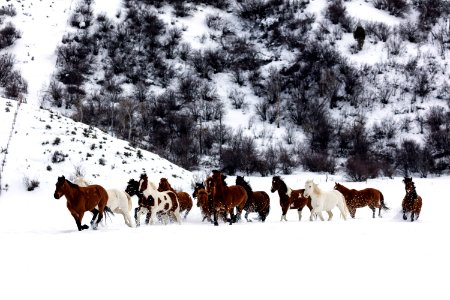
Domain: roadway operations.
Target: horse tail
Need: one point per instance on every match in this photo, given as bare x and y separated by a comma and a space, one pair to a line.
383, 205
130, 203
108, 211
346, 211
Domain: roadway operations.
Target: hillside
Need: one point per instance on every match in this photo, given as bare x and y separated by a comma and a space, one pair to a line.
256, 87
44, 142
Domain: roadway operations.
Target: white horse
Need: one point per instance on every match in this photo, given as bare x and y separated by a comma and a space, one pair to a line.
118, 201
166, 203
324, 201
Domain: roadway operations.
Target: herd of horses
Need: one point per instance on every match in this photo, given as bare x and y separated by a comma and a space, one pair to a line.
219, 201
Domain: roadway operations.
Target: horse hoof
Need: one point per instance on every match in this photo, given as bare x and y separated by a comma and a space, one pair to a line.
404, 217
216, 224
84, 227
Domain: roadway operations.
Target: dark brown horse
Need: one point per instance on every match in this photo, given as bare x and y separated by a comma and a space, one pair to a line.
258, 201
92, 198
412, 203
227, 198
184, 198
290, 199
359, 198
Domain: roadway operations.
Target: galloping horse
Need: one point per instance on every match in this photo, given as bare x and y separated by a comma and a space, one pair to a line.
132, 189
412, 203
257, 201
203, 201
184, 198
227, 198
290, 199
164, 202
359, 198
118, 201
324, 201
82, 199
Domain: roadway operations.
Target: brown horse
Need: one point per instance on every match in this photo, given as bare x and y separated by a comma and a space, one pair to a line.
203, 201
359, 198
412, 203
258, 201
227, 198
82, 199
290, 199
184, 198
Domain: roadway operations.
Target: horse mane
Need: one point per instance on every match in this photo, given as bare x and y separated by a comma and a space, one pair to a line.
346, 189
73, 185
316, 188
241, 181
152, 185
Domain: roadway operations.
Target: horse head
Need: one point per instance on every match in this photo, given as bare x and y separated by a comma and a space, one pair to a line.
132, 187
198, 186
407, 180
59, 185
276, 184
309, 188
164, 185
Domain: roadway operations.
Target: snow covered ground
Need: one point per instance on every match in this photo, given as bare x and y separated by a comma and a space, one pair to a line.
42, 255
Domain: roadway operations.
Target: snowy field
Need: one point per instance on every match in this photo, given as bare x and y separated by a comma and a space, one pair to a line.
43, 256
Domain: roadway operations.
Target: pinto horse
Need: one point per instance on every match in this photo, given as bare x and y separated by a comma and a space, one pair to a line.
156, 202
257, 201
227, 198
132, 189
324, 201
82, 199
412, 203
184, 198
359, 198
290, 199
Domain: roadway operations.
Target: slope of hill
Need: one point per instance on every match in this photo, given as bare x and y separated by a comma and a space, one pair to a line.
44, 142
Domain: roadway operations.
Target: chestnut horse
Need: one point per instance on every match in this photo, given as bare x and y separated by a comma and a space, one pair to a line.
118, 201
359, 198
82, 199
290, 199
227, 198
203, 201
258, 201
184, 198
412, 203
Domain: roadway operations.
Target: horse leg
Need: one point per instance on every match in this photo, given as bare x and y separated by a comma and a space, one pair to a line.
99, 219
299, 214
215, 218
284, 210
373, 211
412, 216
78, 218
404, 215
177, 216
320, 216
136, 217
186, 213
95, 213
246, 216
330, 215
